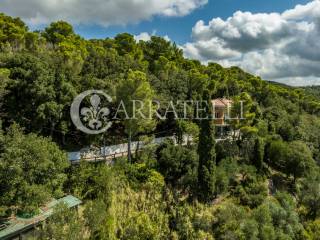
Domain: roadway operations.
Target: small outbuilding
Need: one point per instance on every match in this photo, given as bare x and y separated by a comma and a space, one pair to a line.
17, 227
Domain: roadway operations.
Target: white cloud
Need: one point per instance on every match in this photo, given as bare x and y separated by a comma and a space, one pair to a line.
203, 50
312, 9
278, 46
144, 36
103, 12
166, 37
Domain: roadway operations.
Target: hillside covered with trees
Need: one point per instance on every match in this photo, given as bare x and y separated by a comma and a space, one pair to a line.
263, 184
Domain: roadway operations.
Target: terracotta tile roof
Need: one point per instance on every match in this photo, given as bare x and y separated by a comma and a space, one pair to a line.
221, 102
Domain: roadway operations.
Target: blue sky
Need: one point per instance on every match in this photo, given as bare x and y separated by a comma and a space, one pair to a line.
179, 28
275, 39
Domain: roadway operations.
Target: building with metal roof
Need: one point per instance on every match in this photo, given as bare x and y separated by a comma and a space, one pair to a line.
17, 226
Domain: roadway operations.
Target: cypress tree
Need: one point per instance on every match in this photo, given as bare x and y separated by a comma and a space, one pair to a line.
207, 155
258, 153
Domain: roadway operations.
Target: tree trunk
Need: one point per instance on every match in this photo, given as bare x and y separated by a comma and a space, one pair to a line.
52, 129
63, 139
104, 148
129, 146
137, 148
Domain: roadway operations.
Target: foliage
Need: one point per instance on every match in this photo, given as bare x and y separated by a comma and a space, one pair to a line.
293, 158
262, 182
309, 194
64, 224
207, 155
252, 189
132, 94
258, 154
178, 165
31, 170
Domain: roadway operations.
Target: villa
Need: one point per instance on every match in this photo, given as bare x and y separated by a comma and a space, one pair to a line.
222, 107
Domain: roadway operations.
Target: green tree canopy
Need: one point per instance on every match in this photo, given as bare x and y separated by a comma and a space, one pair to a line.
134, 96
31, 170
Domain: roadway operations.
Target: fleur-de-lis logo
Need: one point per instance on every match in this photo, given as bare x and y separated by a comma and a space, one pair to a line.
95, 114
94, 117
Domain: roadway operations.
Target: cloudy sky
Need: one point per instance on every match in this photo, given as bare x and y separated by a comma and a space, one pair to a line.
276, 39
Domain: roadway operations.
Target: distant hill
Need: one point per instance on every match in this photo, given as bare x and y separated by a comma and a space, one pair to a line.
313, 90
281, 84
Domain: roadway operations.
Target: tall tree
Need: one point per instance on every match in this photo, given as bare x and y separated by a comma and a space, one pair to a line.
12, 33
258, 153
206, 151
134, 96
58, 32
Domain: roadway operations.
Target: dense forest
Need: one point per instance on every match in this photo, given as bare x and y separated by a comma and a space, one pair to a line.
264, 184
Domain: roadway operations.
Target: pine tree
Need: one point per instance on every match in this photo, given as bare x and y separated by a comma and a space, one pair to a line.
207, 155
